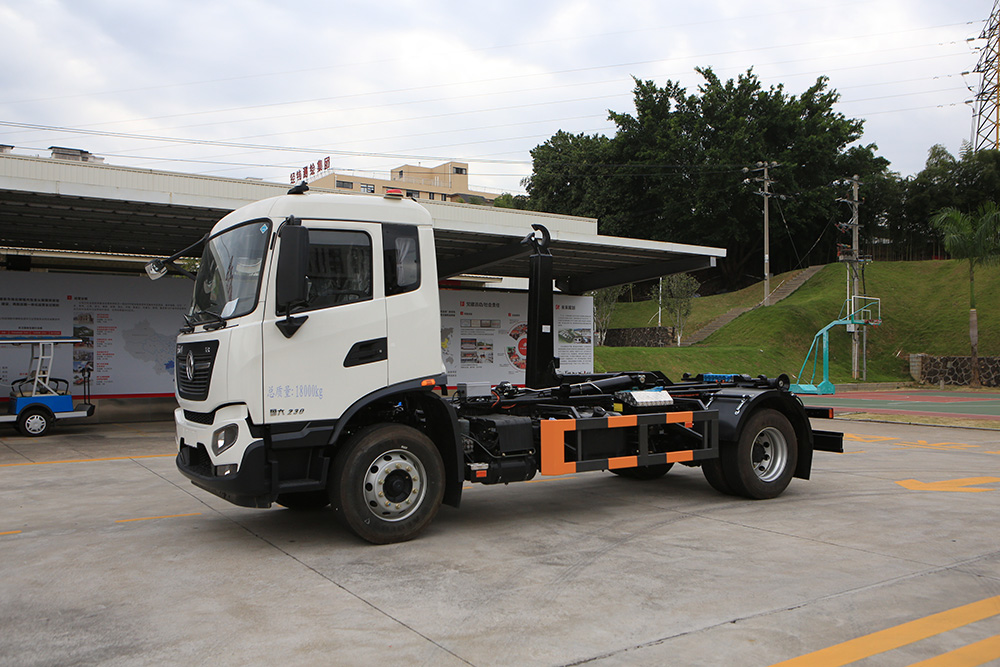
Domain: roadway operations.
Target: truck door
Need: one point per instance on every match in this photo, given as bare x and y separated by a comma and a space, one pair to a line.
339, 353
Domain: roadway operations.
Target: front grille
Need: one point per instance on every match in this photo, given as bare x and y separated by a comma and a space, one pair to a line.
204, 418
193, 369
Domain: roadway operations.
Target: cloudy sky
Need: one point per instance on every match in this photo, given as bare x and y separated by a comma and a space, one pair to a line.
255, 88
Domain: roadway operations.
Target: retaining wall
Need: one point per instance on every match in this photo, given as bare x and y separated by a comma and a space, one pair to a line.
642, 337
954, 370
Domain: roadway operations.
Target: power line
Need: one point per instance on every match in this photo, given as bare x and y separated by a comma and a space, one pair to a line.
229, 144
383, 61
507, 78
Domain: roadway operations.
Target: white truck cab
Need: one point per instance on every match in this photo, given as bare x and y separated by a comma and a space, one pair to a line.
250, 367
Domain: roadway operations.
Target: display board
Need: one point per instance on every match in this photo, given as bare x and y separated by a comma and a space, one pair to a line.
128, 326
484, 335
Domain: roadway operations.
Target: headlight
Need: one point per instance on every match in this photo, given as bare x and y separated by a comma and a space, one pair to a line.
224, 438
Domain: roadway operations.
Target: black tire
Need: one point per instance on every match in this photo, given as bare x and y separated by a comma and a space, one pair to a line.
644, 473
34, 422
712, 470
306, 501
388, 482
763, 461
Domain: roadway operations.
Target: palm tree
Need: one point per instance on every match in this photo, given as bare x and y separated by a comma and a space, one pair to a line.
975, 237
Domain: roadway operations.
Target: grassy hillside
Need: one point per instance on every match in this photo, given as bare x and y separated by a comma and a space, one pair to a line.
924, 309
703, 309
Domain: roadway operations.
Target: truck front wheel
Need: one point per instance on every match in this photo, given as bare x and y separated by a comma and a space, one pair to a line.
388, 483
762, 462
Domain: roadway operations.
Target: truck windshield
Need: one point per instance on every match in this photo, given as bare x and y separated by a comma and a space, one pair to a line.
229, 274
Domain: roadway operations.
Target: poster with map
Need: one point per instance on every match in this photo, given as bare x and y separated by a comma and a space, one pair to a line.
484, 335
127, 328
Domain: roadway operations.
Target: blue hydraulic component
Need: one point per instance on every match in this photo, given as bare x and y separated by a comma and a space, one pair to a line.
866, 310
719, 377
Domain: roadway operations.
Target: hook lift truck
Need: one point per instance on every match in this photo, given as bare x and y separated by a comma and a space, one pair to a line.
309, 374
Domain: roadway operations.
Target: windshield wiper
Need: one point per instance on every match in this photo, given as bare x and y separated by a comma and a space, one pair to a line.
219, 322
216, 321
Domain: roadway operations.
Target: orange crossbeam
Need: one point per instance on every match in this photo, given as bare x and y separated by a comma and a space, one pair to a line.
553, 442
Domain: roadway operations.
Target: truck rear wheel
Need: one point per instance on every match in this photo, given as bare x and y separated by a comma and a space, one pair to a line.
763, 461
712, 470
655, 471
388, 483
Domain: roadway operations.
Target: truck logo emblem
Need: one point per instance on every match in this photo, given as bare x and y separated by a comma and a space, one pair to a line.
189, 366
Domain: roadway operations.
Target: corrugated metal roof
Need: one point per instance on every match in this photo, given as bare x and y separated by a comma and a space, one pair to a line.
84, 208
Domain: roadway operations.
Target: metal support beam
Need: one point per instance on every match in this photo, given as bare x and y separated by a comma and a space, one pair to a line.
478, 261
593, 281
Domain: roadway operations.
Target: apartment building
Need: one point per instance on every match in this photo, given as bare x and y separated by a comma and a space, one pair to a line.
445, 182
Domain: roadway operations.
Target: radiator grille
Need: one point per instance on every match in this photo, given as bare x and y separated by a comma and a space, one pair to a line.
193, 369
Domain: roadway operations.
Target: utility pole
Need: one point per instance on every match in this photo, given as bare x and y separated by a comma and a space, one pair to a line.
987, 100
852, 257
766, 182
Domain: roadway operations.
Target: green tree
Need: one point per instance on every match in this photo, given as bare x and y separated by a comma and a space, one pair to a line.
605, 302
976, 238
507, 200
672, 172
964, 183
673, 295
568, 174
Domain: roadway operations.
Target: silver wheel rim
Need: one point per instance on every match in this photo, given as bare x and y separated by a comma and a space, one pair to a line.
769, 454
394, 485
35, 424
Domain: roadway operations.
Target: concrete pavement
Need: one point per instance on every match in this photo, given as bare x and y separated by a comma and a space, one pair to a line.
108, 556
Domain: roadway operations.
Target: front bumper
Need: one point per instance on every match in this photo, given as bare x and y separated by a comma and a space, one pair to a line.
240, 474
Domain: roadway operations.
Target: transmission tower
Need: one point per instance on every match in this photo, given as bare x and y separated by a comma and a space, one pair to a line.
988, 98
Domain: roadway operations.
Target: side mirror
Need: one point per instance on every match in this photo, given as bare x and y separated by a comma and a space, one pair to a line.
291, 287
156, 269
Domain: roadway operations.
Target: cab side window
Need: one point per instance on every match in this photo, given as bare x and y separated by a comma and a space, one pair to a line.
340, 268
402, 258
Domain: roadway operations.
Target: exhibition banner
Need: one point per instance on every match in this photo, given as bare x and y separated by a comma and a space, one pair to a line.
127, 326
484, 335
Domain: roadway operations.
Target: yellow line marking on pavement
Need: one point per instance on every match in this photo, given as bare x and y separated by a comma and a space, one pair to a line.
943, 446
956, 485
972, 655
150, 518
869, 438
109, 458
900, 635
11, 532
